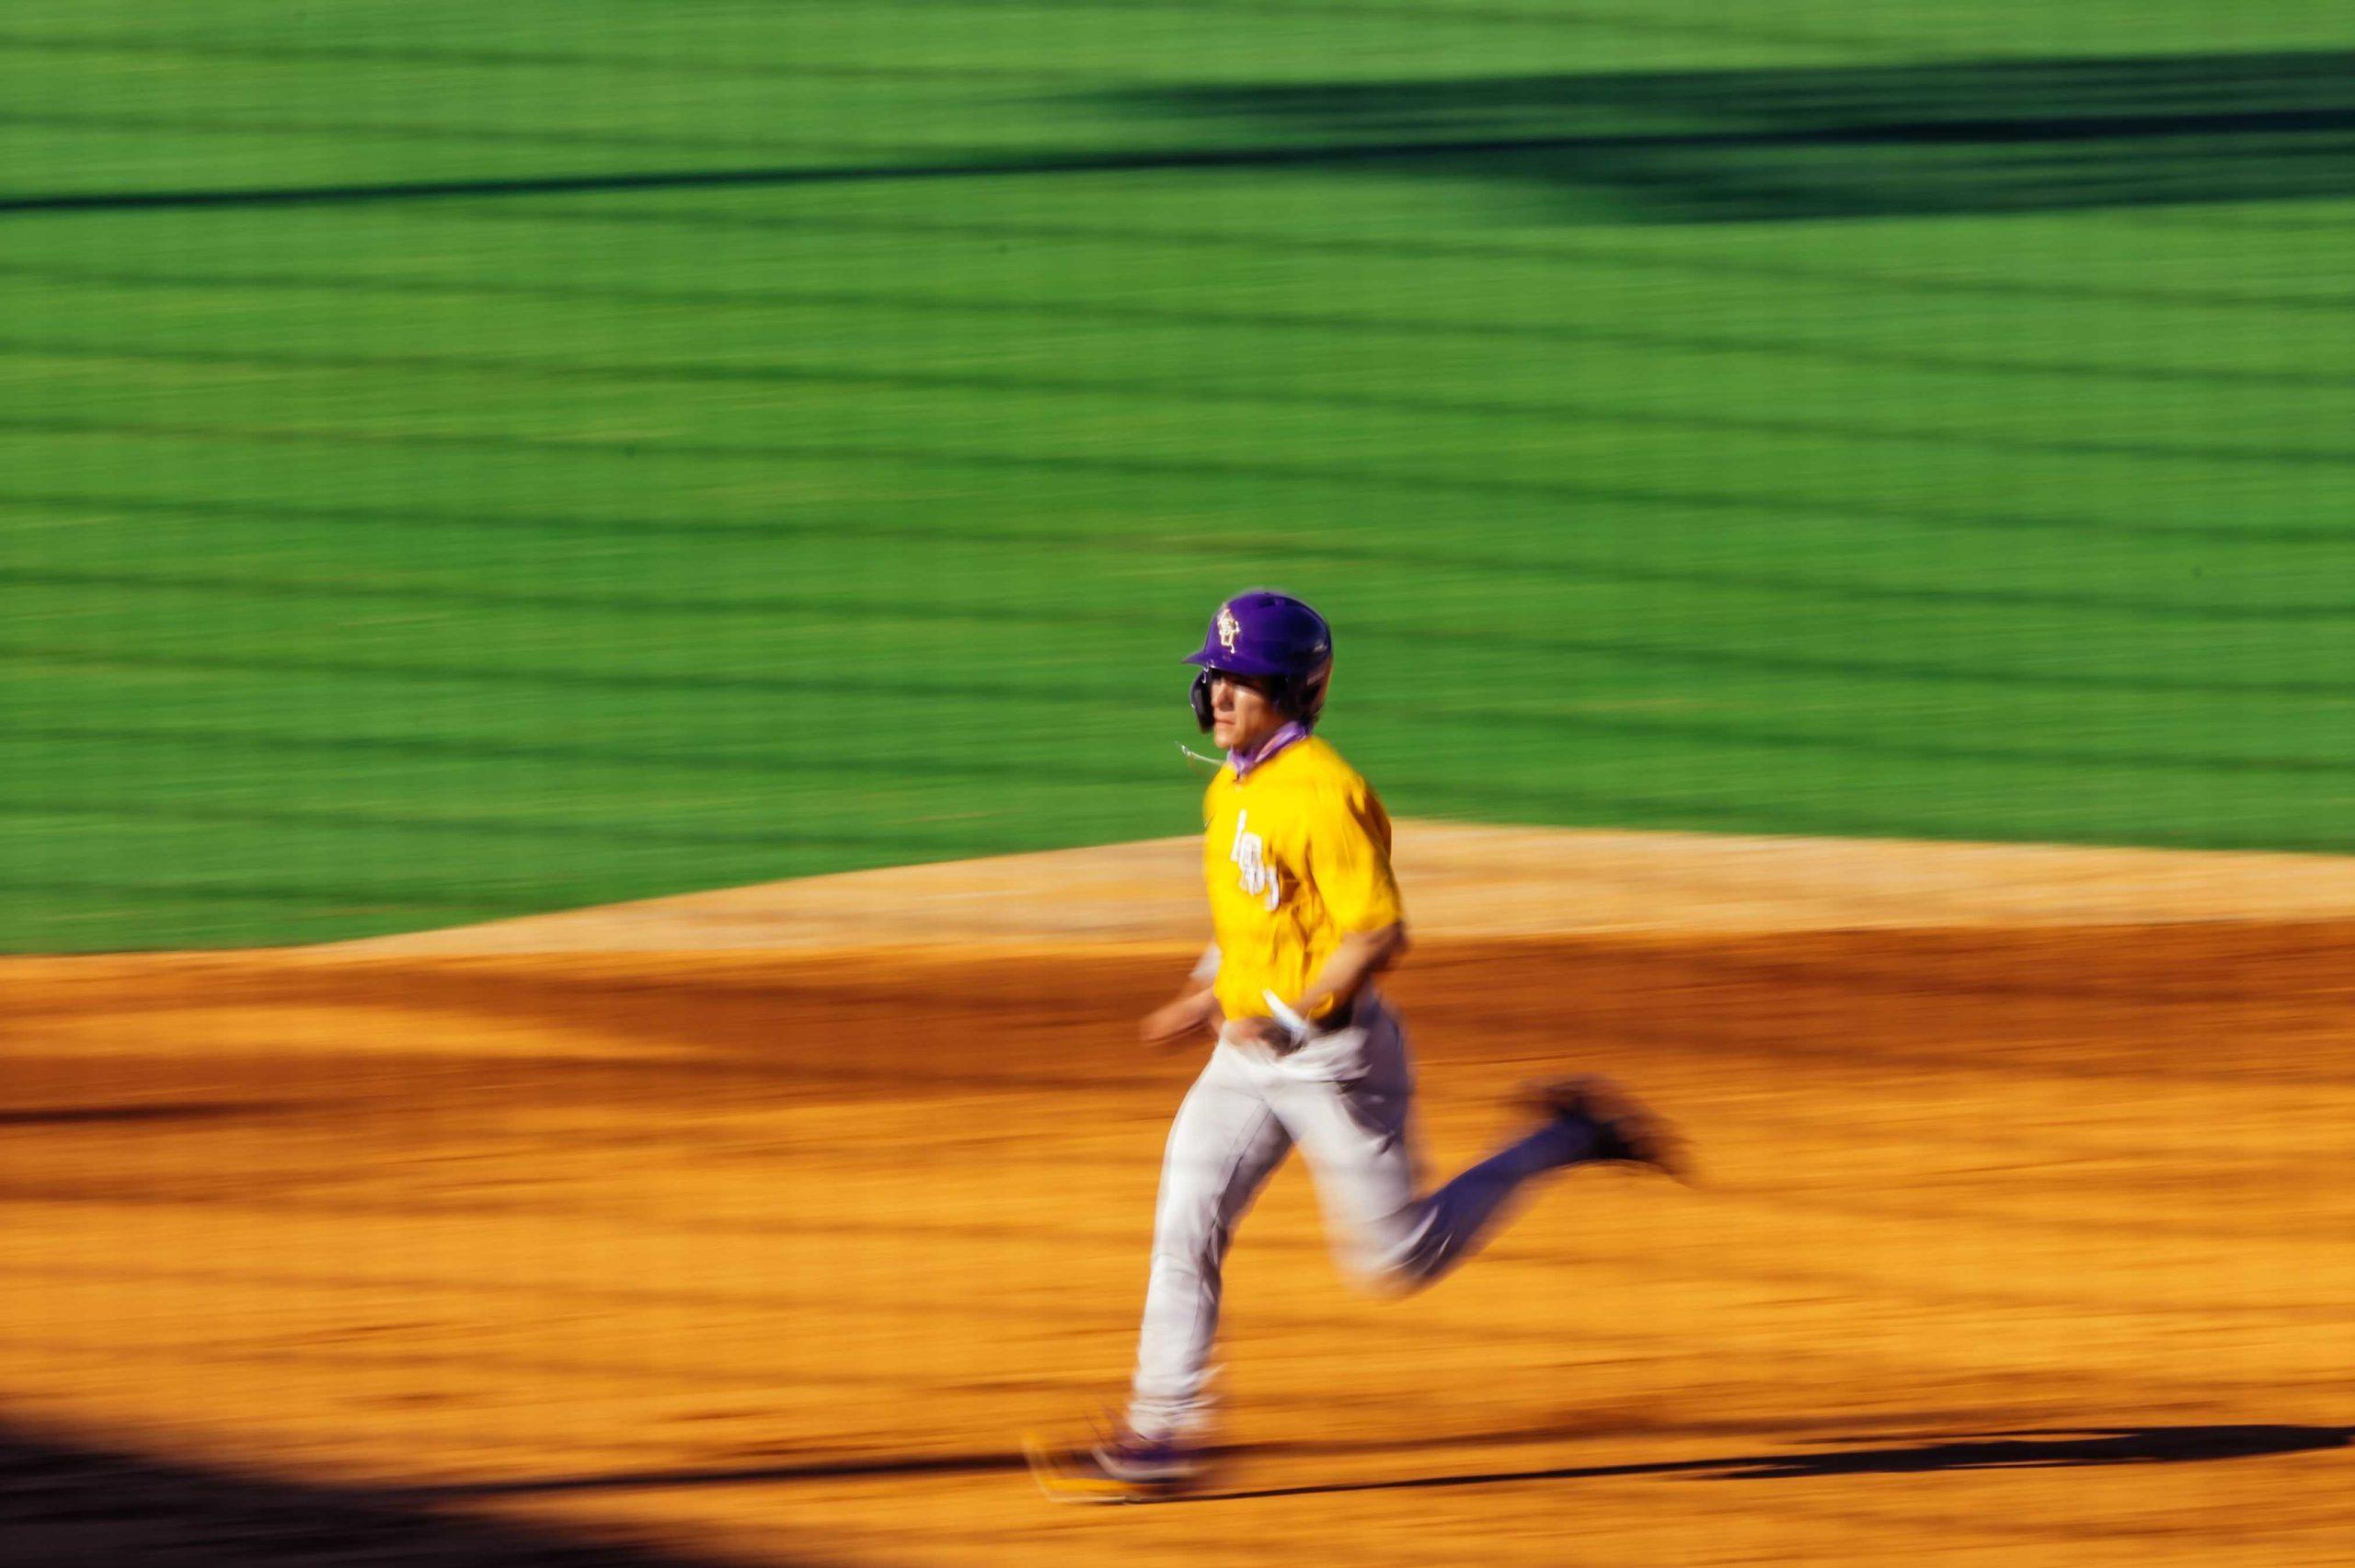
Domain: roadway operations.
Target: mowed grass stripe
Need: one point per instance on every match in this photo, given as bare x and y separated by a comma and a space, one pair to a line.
1120, 388
505, 828
636, 445
435, 133
1564, 249
1825, 591
1574, 249
562, 65
773, 298
36, 504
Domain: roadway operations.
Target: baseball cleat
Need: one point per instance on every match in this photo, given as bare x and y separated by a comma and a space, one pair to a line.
1121, 1467
1627, 1131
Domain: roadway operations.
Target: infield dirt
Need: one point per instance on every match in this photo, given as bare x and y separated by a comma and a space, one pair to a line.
2016, 1242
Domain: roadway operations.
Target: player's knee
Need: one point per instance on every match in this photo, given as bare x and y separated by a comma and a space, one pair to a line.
1386, 1265
1188, 1240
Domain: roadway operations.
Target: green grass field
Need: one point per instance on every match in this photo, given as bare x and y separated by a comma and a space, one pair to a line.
463, 460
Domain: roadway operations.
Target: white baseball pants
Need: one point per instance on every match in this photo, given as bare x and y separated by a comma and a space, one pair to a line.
1344, 1099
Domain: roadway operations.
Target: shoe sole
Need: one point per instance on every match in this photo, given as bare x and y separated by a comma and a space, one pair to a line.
1061, 1483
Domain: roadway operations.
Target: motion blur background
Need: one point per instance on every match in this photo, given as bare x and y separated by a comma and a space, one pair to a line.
459, 459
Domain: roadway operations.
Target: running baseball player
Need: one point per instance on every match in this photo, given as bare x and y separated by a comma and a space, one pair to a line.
1304, 915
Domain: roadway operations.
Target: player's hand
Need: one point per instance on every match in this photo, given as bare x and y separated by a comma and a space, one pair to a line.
1181, 1020
1265, 1033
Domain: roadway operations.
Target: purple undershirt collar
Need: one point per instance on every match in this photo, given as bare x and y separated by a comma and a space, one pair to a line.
1245, 766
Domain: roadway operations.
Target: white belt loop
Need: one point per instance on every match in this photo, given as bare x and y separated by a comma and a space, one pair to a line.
1294, 1024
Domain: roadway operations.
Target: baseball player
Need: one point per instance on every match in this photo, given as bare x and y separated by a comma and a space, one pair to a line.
1304, 915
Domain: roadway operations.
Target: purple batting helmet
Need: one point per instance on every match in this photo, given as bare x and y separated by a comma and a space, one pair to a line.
1275, 642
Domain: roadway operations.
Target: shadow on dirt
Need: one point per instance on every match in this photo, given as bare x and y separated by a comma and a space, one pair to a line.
69, 1503
110, 1115
2043, 1449
2052, 1449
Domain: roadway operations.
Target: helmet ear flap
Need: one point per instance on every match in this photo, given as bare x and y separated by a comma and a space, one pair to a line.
1199, 695
1308, 693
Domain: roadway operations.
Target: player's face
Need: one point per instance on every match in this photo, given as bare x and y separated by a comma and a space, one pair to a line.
1241, 714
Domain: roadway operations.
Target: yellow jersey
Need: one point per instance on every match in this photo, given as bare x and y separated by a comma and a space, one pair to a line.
1296, 855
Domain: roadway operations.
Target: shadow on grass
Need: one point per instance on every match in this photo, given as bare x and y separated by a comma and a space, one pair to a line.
1692, 146
67, 1503
1839, 142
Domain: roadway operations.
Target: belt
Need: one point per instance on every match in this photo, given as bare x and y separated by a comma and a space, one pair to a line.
1357, 1010
1347, 1017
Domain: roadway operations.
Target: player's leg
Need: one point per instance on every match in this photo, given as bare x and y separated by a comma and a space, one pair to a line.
1222, 1147
1224, 1144
1357, 1139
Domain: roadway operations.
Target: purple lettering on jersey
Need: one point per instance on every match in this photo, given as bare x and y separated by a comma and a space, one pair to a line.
1244, 765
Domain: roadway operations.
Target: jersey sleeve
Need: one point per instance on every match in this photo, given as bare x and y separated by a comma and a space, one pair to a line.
1348, 860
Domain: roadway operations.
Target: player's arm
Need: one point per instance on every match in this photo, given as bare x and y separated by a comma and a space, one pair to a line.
1194, 1010
1350, 859
1352, 968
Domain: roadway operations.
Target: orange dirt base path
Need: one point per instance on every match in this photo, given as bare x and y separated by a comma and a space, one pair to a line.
2014, 1246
